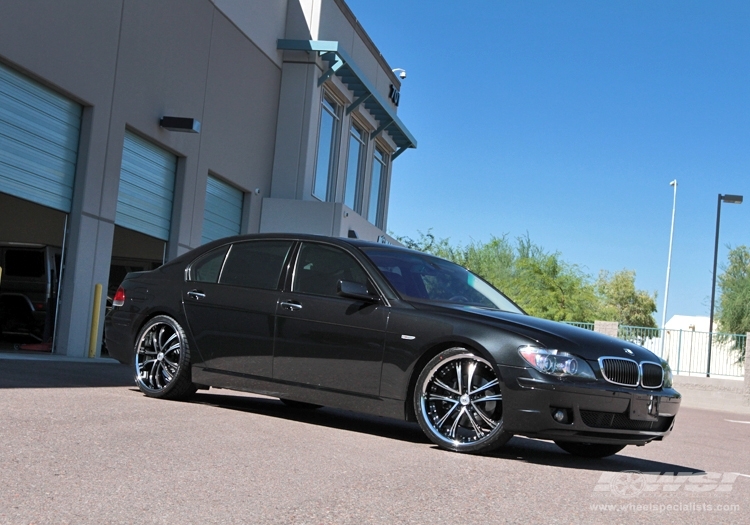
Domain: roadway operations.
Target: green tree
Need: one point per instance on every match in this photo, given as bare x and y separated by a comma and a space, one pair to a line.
548, 287
544, 284
541, 283
733, 306
622, 302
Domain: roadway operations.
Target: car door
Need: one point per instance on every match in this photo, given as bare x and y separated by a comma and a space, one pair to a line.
230, 302
324, 340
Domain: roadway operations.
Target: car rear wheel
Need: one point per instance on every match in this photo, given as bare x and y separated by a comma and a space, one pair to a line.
162, 360
459, 404
589, 450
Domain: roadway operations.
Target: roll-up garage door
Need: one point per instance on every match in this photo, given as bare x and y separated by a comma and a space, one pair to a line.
39, 132
144, 200
223, 212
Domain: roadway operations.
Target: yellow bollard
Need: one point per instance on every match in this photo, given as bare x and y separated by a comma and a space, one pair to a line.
95, 319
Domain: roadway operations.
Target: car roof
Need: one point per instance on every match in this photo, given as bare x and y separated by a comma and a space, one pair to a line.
303, 237
341, 241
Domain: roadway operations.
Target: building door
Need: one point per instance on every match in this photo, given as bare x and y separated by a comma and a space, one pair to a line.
39, 136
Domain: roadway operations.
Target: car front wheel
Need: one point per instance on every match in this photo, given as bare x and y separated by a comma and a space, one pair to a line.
459, 404
162, 360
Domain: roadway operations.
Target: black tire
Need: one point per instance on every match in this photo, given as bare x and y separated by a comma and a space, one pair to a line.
458, 402
291, 403
162, 360
589, 450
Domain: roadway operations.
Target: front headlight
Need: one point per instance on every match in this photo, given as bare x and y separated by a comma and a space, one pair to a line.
556, 363
667, 381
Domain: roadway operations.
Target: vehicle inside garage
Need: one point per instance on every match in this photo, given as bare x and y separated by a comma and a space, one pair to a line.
31, 237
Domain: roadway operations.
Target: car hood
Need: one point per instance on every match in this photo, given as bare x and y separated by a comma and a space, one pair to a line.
584, 343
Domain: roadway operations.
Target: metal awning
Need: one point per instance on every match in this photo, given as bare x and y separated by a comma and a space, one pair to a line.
342, 65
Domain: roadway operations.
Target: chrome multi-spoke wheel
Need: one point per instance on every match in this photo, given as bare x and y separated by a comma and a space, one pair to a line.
162, 360
458, 402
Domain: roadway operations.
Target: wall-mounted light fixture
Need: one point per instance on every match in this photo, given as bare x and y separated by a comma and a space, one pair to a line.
183, 124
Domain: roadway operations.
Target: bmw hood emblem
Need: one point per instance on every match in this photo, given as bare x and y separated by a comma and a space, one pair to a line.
628, 351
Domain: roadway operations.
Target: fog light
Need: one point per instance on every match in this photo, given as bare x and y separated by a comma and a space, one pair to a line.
560, 416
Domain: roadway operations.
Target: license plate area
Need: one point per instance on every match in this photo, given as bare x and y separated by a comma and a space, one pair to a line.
644, 407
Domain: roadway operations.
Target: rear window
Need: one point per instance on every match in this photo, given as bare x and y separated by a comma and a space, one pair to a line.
24, 263
255, 264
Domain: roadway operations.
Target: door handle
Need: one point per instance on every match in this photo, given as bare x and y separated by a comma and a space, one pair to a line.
291, 305
196, 294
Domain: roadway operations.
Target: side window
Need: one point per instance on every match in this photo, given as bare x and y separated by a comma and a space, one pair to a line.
24, 263
320, 268
207, 268
255, 264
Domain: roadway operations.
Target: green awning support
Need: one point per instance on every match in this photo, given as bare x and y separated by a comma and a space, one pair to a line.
357, 102
336, 64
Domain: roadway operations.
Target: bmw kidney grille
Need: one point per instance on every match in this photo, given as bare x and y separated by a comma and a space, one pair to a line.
626, 372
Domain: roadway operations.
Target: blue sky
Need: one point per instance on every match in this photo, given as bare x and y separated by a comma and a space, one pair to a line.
568, 120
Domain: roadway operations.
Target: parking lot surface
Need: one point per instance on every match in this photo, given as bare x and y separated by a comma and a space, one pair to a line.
80, 444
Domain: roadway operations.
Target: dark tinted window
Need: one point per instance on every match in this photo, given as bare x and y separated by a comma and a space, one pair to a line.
24, 263
255, 264
207, 268
419, 276
321, 267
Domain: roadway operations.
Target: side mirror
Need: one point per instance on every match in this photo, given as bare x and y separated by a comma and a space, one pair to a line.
355, 291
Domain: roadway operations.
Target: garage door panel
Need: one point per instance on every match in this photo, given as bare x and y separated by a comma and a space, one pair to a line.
147, 175
12, 186
222, 214
26, 119
137, 199
20, 142
39, 135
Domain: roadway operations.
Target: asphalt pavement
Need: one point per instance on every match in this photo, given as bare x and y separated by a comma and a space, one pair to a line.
80, 444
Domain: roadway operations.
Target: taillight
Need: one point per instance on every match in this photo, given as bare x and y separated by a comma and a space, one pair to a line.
119, 298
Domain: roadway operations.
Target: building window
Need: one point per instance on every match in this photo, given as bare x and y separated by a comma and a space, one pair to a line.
377, 188
325, 167
354, 169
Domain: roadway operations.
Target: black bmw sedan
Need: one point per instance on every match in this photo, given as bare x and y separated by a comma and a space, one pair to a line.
319, 321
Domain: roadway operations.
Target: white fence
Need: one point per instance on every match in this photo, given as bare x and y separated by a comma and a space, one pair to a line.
686, 351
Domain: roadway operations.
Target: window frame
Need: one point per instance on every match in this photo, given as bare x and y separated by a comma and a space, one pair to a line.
330, 105
383, 164
362, 137
371, 283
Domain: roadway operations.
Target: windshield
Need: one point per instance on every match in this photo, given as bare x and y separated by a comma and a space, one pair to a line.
419, 276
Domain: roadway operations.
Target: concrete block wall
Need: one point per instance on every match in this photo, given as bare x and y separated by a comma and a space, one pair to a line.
607, 327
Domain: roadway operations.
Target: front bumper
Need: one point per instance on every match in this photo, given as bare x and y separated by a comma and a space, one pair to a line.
596, 412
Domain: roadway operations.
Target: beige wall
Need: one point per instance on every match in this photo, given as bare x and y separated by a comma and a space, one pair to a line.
130, 62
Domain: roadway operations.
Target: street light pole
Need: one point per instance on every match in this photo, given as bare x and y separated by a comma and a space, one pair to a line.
729, 199
669, 267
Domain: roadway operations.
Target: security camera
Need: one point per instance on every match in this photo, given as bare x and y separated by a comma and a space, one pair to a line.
401, 72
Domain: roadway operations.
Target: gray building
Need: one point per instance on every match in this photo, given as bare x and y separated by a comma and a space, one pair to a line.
284, 119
